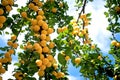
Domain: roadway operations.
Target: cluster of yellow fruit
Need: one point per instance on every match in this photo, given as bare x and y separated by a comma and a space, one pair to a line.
7, 4
2, 18
35, 4
42, 31
85, 19
115, 43
58, 74
7, 56
60, 30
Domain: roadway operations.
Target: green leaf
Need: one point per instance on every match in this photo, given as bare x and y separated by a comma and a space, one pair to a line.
17, 64
106, 14
61, 59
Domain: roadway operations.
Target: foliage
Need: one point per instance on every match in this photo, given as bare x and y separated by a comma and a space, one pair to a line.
38, 20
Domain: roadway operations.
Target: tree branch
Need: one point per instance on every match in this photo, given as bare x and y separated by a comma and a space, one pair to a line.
82, 10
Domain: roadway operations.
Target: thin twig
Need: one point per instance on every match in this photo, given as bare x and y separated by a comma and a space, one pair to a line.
82, 10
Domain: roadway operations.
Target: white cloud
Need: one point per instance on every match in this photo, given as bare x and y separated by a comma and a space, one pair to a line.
97, 29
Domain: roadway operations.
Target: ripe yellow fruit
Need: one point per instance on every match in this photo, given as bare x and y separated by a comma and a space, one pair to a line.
55, 65
36, 1
59, 30
67, 58
7, 55
64, 28
1, 11
54, 10
51, 45
40, 22
9, 43
29, 46
47, 38
8, 8
44, 32
11, 2
43, 43
54, 73
77, 60
49, 64
50, 57
50, 30
40, 12
114, 42
60, 75
13, 37
35, 8
15, 45
11, 51
1, 25
42, 67
117, 44
39, 17
34, 22
45, 49
40, 4
4, 60
5, 2
92, 46
45, 61
42, 36
9, 59
31, 5
99, 57
0, 65
24, 14
2, 19
41, 73
41, 56
2, 70
39, 50
38, 62
36, 46
45, 26
35, 28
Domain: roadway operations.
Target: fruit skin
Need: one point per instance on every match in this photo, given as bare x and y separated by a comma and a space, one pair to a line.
54, 10
24, 14
38, 62
41, 73
113, 42
1, 11
2, 19
8, 8
77, 60
67, 58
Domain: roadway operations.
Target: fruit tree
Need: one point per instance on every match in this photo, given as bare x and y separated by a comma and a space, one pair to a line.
48, 56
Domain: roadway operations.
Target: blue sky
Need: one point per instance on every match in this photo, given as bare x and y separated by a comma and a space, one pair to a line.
97, 31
